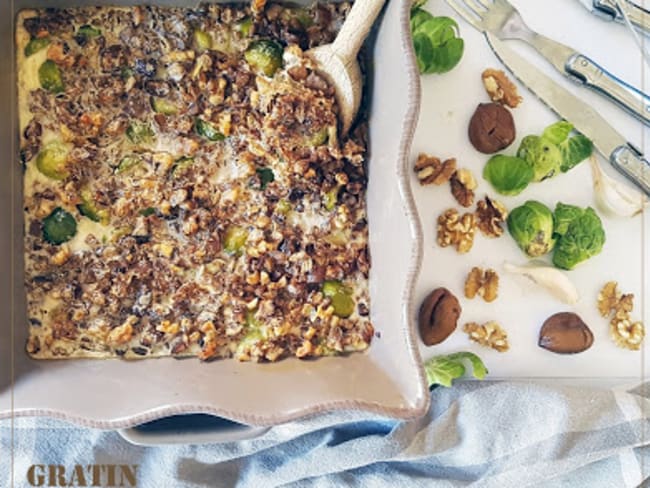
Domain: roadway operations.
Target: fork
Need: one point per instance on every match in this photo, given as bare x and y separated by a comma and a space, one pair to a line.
503, 20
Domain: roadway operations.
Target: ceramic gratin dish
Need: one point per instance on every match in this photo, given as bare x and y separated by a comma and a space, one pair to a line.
388, 379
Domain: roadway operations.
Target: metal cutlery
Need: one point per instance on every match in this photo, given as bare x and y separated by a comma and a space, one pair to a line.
626, 158
609, 10
503, 20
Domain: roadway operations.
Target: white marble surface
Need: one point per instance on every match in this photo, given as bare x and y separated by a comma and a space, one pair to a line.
447, 104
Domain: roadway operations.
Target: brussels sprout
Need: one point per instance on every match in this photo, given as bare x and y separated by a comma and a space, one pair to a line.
59, 227
341, 297
283, 207
207, 130
181, 166
564, 215
235, 239
264, 56
203, 40
244, 26
574, 151
542, 155
36, 45
89, 209
583, 238
50, 77
266, 176
89, 31
558, 133
531, 226
139, 132
318, 138
508, 175
51, 161
163, 106
331, 198
147, 212
127, 163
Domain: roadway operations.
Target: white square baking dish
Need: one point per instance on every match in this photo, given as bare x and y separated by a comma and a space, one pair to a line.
387, 380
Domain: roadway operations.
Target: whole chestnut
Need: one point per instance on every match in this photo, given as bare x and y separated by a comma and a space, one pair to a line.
438, 316
565, 333
491, 128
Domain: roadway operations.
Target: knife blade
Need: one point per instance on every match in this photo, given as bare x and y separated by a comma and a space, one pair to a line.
626, 158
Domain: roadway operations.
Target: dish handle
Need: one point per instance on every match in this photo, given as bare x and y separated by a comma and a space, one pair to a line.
190, 429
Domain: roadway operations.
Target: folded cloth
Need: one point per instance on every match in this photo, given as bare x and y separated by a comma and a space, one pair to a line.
484, 434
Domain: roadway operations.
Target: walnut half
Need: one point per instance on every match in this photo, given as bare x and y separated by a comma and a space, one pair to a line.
484, 283
430, 170
488, 335
454, 230
463, 185
490, 216
624, 331
500, 88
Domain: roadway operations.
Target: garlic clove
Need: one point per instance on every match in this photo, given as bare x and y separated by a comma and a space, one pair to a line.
615, 198
552, 279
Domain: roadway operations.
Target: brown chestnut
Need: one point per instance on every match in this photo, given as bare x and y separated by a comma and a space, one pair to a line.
438, 316
491, 128
565, 333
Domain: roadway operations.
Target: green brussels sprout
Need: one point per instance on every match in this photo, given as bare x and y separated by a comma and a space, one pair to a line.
264, 56
36, 45
203, 40
148, 212
331, 198
88, 31
89, 209
558, 132
128, 163
59, 227
266, 176
52, 160
341, 297
542, 155
574, 151
139, 132
50, 77
207, 130
531, 226
235, 239
163, 106
283, 207
182, 165
565, 214
508, 175
583, 236
318, 138
244, 26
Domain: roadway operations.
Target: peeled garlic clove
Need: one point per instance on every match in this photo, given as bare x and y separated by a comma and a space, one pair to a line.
613, 197
554, 280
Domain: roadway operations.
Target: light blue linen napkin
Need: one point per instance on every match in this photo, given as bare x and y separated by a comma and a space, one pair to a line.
483, 434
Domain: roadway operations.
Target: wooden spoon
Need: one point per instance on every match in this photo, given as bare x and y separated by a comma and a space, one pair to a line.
338, 61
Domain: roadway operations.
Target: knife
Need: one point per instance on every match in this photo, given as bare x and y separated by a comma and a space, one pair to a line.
626, 158
609, 10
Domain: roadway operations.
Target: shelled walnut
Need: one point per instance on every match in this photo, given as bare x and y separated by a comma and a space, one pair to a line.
491, 216
431, 171
456, 230
463, 185
625, 332
484, 283
488, 335
500, 88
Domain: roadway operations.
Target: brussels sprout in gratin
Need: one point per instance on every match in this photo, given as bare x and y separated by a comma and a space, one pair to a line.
186, 189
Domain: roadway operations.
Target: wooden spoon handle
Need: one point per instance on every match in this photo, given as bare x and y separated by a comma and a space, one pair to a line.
356, 27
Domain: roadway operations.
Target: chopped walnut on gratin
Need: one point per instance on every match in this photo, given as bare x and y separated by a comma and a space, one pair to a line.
463, 185
432, 171
625, 332
456, 230
500, 88
484, 283
488, 335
